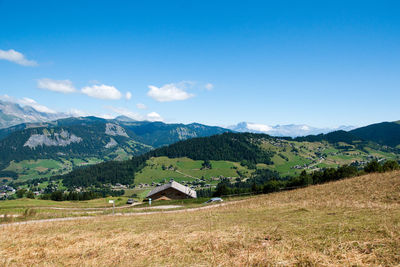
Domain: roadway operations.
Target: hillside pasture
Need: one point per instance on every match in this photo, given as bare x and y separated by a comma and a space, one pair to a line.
185, 169
353, 222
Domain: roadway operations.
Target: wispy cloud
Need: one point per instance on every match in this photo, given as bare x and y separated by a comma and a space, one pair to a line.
32, 103
61, 86
152, 116
170, 92
16, 57
209, 86
141, 106
102, 91
259, 127
78, 113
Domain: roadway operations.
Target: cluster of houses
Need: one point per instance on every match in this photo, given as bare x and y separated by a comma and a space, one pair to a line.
6, 191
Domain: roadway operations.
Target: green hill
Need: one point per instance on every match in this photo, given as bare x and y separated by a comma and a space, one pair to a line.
240, 154
385, 133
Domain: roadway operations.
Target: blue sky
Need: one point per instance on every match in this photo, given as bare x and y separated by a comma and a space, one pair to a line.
321, 63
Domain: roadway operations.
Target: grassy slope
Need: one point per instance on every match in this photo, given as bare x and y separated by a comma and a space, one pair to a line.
34, 209
32, 169
287, 155
350, 222
306, 154
188, 169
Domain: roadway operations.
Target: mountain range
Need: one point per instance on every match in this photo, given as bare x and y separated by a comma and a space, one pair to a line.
70, 142
46, 148
291, 130
12, 114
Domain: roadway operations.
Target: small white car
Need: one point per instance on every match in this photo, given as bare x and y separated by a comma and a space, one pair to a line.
214, 199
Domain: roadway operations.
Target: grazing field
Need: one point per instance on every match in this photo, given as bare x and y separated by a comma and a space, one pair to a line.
32, 169
350, 222
292, 157
185, 169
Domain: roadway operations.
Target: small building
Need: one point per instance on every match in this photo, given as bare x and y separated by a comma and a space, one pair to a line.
172, 190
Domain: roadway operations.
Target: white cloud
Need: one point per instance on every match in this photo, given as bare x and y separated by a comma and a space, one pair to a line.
16, 57
61, 86
141, 106
27, 102
102, 92
209, 86
30, 102
259, 127
305, 128
106, 116
77, 113
152, 116
169, 92
80, 113
7, 98
128, 95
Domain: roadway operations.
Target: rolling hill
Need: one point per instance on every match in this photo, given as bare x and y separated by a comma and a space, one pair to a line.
384, 133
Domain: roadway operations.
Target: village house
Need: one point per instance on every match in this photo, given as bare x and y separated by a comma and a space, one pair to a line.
172, 190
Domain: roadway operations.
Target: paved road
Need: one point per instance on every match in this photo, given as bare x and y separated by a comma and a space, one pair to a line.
117, 214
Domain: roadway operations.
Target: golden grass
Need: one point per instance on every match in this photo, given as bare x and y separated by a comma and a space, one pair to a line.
350, 222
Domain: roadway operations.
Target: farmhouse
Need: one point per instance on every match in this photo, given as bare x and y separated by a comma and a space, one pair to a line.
172, 190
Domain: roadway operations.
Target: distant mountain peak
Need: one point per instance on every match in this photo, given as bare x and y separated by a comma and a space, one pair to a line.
13, 114
291, 130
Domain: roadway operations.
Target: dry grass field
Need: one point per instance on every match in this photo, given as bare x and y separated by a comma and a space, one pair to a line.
354, 222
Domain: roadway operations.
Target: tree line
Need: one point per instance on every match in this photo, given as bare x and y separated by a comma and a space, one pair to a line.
79, 196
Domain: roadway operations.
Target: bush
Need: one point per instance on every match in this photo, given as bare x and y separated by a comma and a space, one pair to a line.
373, 166
390, 165
30, 194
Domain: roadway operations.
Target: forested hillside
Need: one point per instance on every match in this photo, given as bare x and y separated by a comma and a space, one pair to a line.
385, 133
227, 146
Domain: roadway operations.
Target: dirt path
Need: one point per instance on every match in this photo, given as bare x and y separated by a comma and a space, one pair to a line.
118, 214
186, 175
83, 209
164, 207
